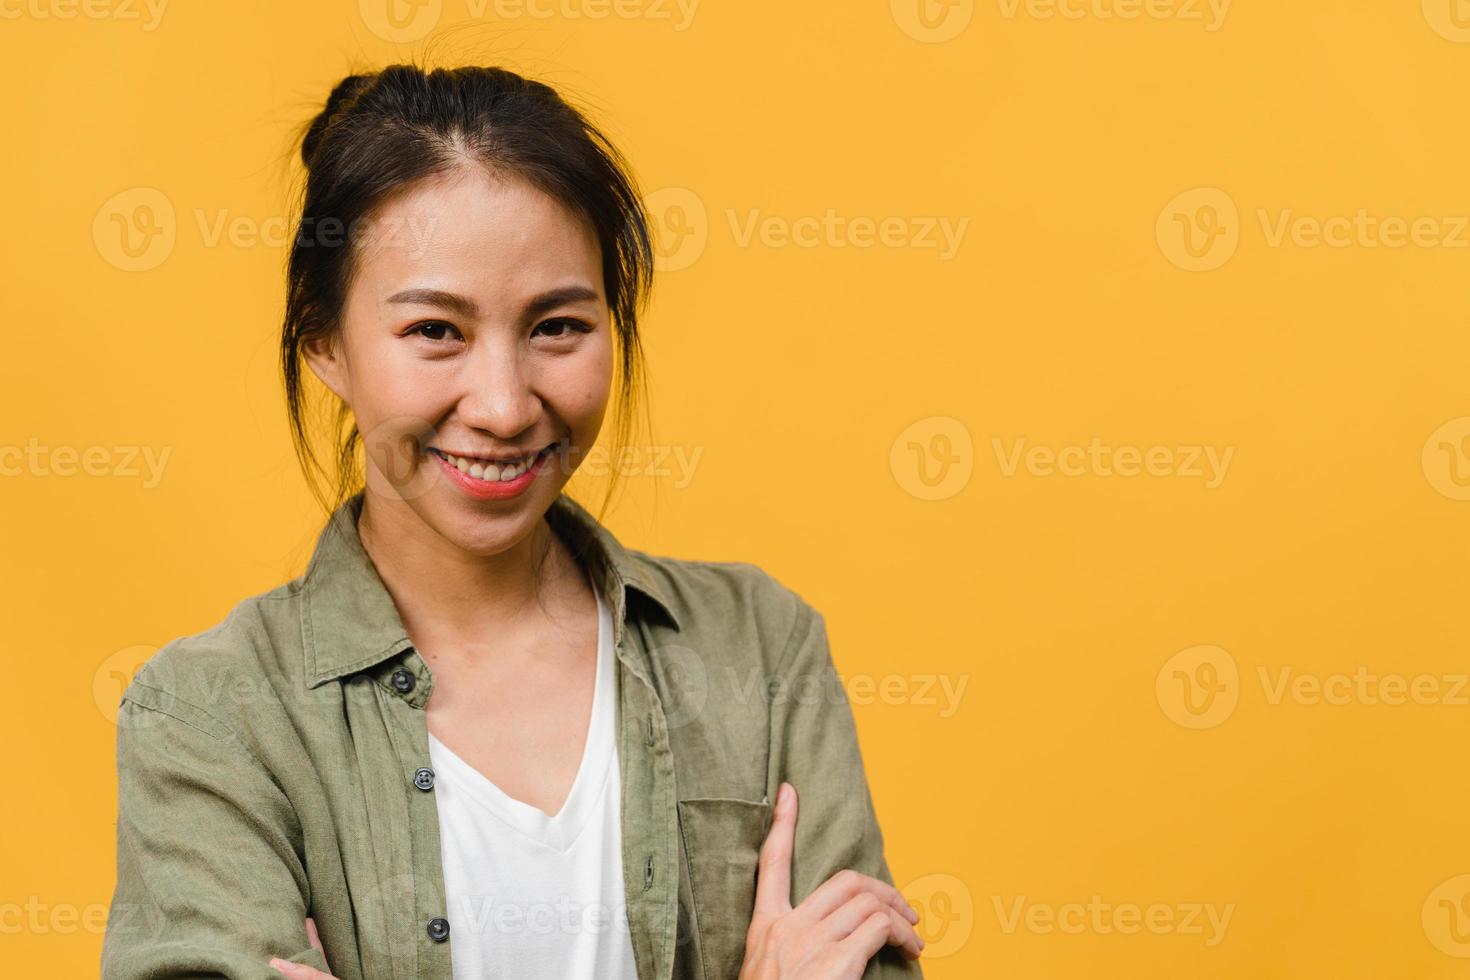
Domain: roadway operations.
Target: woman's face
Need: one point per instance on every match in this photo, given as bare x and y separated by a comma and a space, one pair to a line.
475, 329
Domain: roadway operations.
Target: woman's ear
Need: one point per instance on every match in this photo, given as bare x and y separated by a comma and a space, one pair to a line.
324, 354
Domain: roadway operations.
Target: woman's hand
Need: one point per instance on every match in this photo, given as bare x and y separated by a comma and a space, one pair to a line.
835, 931
300, 971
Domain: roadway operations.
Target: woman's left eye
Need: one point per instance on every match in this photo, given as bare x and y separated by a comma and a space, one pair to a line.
433, 329
560, 326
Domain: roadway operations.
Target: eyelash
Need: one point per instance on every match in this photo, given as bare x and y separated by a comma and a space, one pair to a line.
576, 325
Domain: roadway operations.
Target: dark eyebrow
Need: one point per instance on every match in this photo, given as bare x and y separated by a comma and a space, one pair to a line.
453, 302
465, 307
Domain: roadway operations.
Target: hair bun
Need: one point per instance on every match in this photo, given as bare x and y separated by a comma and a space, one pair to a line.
343, 96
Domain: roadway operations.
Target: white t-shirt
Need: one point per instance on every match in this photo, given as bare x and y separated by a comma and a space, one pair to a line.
532, 897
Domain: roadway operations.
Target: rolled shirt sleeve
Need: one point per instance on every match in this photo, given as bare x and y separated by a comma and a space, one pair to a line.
210, 878
815, 748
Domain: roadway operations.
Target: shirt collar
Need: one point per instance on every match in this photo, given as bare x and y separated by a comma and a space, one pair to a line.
349, 622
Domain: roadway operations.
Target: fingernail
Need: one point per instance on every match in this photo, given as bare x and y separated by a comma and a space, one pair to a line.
783, 796
277, 963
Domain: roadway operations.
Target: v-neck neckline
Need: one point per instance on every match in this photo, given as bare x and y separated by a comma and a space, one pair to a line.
558, 831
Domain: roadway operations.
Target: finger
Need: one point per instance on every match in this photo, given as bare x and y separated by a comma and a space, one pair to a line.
843, 885
299, 971
316, 942
857, 910
773, 872
873, 934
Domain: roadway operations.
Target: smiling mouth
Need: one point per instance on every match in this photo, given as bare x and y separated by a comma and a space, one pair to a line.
491, 471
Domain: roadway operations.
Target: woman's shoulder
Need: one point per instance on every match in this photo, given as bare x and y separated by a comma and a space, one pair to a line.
737, 602
250, 654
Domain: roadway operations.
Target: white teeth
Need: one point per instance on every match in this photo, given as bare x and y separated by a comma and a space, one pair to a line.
490, 472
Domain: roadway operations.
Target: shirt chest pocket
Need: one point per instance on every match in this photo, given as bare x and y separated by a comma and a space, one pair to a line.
722, 841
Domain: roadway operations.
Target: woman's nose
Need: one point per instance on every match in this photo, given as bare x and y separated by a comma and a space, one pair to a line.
498, 396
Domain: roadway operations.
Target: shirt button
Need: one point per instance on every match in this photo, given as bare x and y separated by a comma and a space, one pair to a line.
423, 778
438, 929
403, 680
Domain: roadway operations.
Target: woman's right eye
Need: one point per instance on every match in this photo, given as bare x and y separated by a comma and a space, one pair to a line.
433, 329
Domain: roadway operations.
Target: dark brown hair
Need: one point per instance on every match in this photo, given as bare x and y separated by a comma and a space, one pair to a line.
383, 131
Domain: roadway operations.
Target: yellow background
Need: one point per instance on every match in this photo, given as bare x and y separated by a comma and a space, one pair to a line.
1121, 738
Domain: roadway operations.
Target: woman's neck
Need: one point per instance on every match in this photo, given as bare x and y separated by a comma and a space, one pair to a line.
450, 599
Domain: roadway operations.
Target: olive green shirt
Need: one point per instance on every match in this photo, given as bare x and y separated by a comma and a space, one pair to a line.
276, 766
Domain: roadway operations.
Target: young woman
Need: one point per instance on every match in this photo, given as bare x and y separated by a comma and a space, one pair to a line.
478, 737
